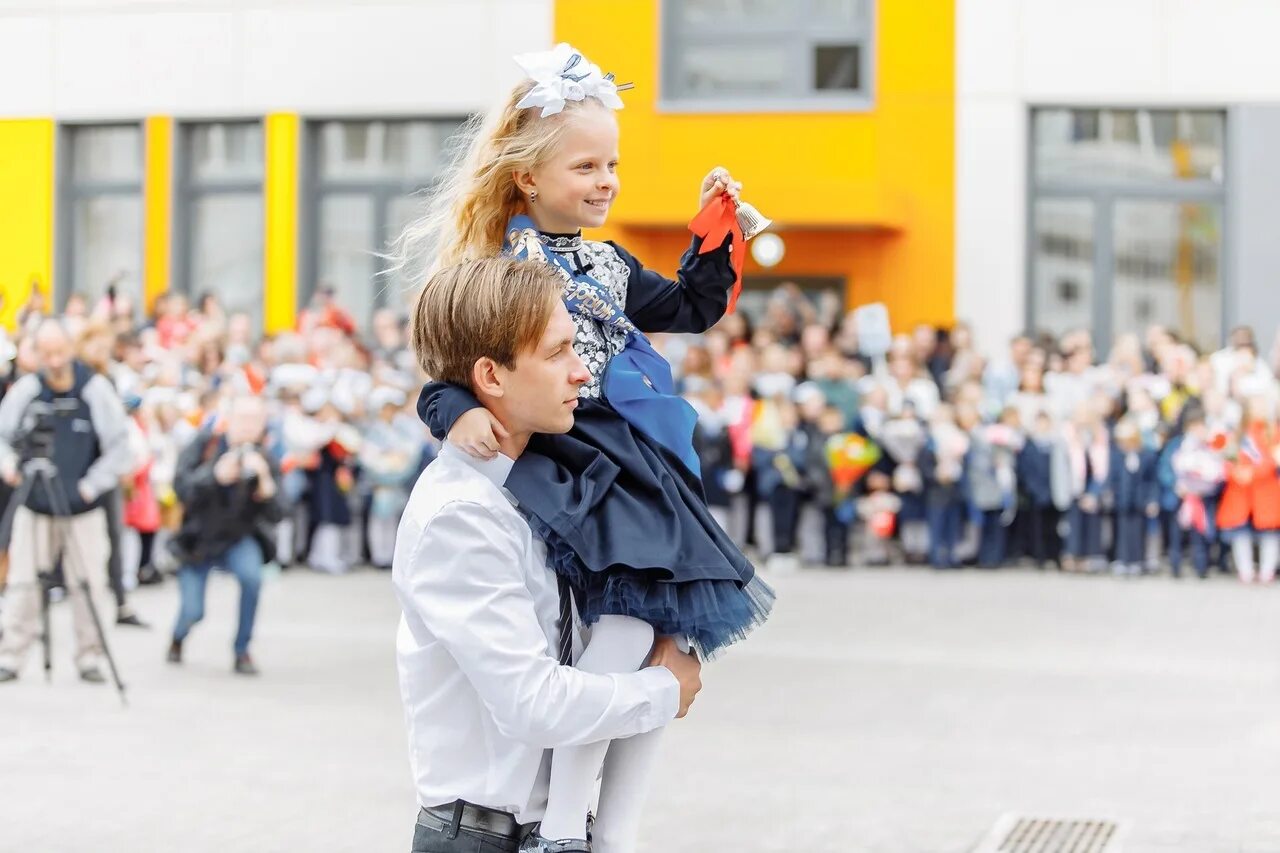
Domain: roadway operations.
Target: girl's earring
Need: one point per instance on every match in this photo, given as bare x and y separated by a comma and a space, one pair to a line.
533, 196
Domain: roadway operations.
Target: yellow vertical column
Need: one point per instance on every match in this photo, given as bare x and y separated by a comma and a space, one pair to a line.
26, 211
280, 278
158, 209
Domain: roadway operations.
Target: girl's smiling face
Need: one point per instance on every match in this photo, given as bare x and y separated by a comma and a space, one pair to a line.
577, 184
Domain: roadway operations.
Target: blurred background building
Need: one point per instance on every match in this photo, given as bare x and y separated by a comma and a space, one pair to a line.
1016, 164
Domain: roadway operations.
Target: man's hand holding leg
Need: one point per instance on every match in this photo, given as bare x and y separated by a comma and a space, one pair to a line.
686, 668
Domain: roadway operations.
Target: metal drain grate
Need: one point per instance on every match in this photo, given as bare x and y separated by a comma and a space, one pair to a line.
1022, 834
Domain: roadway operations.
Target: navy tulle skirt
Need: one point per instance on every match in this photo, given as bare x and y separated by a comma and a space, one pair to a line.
627, 525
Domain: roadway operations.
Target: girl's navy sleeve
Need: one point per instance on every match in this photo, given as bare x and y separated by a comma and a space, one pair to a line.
694, 302
441, 404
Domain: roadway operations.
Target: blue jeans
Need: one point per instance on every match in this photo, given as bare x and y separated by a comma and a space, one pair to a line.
244, 560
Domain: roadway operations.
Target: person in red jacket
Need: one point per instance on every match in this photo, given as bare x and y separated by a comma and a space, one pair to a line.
1250, 507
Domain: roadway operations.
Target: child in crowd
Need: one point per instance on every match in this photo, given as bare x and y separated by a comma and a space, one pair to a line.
1134, 494
832, 486
328, 485
942, 467
1037, 515
903, 438
1249, 513
388, 457
1198, 470
1079, 476
992, 484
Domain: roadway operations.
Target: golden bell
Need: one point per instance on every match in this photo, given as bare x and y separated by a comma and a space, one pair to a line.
750, 220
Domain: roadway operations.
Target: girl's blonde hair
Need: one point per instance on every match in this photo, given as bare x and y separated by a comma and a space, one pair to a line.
466, 215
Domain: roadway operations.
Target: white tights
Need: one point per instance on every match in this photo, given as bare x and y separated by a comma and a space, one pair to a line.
618, 644
1269, 553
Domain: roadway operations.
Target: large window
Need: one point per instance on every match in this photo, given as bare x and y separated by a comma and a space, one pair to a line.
366, 180
763, 55
222, 214
100, 215
1126, 222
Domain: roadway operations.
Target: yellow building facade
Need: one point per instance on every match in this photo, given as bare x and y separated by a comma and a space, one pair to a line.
866, 197
26, 210
863, 196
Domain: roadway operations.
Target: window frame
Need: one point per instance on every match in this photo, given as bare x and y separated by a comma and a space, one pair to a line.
72, 188
383, 192
804, 98
1104, 194
187, 190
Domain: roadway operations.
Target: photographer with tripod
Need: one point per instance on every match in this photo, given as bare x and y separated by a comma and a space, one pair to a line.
64, 443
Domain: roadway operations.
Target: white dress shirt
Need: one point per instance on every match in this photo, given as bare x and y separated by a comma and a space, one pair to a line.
484, 696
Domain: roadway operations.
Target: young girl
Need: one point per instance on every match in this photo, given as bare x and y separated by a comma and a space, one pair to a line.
1250, 507
903, 437
1198, 471
618, 499
1080, 472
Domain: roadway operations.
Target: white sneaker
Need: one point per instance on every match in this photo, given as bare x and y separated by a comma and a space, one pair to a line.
783, 564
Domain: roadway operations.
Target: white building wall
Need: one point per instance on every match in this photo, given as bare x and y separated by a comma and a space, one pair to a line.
108, 59
1013, 55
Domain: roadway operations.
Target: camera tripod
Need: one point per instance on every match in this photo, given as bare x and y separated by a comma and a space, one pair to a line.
41, 470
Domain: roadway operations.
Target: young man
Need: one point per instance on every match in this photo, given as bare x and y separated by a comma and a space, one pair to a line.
480, 649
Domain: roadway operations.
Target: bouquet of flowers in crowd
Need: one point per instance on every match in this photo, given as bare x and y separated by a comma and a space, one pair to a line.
950, 444
1199, 470
849, 457
903, 439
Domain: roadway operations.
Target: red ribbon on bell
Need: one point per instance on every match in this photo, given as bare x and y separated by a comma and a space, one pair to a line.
715, 222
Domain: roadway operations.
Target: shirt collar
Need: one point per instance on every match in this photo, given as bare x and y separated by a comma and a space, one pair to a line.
495, 470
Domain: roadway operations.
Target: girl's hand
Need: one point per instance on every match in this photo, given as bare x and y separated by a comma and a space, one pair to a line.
478, 432
718, 182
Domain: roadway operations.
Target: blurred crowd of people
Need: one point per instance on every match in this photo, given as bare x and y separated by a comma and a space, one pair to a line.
937, 452
944, 452
342, 427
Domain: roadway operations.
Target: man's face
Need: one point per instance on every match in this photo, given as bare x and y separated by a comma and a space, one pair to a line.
386, 328
541, 393
54, 352
246, 422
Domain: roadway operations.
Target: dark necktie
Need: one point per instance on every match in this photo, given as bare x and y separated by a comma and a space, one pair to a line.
566, 621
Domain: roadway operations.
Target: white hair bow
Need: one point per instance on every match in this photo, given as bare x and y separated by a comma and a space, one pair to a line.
564, 74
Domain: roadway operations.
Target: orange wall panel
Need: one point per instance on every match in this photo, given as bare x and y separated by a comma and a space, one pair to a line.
867, 195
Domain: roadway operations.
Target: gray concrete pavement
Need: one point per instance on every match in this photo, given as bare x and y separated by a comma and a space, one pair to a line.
892, 711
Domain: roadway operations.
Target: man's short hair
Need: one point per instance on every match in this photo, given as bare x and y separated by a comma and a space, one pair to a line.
492, 308
52, 326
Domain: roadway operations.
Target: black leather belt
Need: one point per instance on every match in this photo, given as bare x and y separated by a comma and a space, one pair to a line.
451, 817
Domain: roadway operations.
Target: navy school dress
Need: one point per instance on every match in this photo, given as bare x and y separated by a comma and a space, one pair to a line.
619, 501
